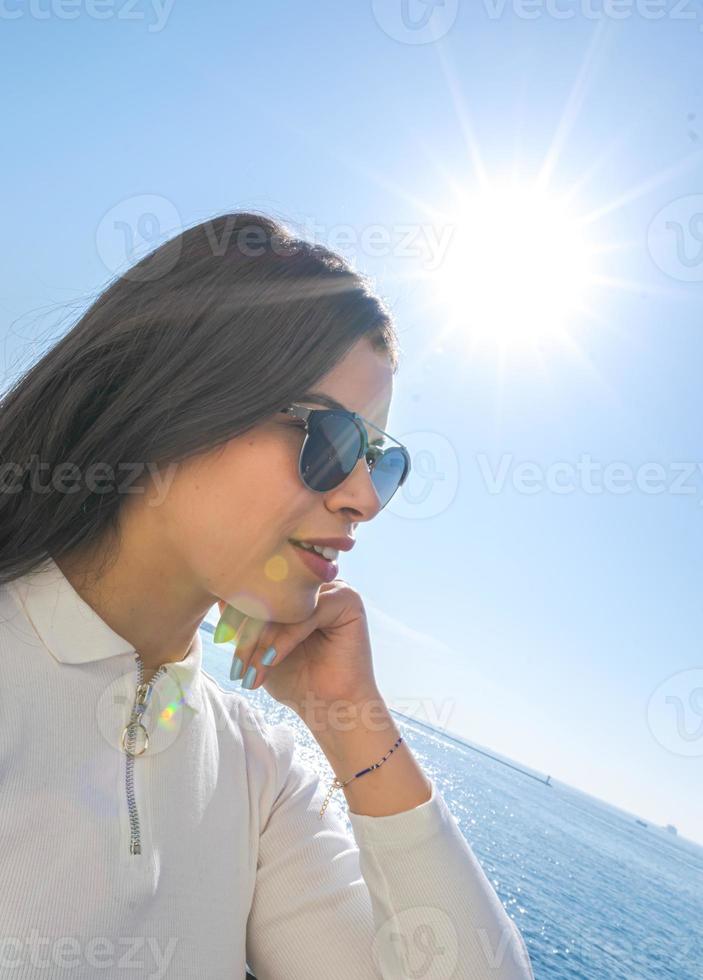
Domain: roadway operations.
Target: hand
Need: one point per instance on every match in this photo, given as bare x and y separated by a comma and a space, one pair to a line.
323, 660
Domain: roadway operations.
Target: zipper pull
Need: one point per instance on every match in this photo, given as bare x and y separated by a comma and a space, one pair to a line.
141, 702
143, 697
125, 734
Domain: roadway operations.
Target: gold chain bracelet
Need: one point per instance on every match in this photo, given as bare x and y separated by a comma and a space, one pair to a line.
338, 784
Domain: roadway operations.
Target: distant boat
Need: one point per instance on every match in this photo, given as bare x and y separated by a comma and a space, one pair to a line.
672, 830
548, 781
640, 822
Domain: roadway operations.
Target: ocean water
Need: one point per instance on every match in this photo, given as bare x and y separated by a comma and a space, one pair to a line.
594, 894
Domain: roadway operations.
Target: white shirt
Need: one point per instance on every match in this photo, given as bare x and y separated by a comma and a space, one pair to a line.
211, 854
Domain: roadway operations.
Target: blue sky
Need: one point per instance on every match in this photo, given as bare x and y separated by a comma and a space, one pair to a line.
559, 628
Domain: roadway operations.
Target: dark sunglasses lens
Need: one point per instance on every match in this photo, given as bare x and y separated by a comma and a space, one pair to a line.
388, 472
331, 451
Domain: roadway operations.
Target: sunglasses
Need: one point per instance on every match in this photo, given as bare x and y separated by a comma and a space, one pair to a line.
335, 441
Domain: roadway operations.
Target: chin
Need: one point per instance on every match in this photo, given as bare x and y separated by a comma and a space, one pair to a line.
296, 605
292, 600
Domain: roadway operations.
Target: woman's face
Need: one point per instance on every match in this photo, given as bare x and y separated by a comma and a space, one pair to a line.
229, 514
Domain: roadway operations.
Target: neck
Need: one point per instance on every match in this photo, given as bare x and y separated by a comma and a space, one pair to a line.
144, 592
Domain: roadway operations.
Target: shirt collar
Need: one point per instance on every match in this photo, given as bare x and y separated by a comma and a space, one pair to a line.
73, 633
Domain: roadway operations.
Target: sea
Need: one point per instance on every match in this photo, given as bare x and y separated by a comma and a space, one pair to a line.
595, 894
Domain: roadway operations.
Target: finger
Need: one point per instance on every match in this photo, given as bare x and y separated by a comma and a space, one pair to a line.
229, 622
268, 649
255, 654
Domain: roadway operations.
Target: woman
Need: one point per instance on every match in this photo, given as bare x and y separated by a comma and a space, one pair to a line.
223, 401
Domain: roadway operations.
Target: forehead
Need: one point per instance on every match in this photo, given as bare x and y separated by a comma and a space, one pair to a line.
361, 382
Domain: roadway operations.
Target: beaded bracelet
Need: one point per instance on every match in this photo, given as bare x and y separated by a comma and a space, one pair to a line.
338, 784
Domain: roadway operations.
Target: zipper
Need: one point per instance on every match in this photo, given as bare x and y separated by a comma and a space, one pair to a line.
141, 703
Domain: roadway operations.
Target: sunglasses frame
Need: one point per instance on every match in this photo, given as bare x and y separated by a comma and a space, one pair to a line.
304, 414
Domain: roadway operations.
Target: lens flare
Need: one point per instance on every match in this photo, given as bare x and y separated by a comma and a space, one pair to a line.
518, 267
276, 568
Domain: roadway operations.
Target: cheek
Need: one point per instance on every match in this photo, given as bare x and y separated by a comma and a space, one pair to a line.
238, 507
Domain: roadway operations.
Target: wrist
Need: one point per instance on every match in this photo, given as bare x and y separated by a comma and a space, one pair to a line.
396, 781
356, 734
332, 721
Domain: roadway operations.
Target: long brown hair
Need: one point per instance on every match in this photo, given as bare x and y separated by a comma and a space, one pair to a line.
208, 335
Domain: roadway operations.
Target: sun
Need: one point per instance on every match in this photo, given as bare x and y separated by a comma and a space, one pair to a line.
518, 267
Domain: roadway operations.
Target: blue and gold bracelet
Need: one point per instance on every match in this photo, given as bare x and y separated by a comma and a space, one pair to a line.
338, 784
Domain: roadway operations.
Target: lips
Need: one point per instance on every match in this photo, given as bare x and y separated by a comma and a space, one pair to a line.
338, 543
326, 570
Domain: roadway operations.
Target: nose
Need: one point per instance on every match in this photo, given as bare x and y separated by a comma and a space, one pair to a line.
356, 492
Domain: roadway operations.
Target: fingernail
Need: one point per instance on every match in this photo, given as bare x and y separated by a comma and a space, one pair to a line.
269, 657
223, 632
249, 677
236, 668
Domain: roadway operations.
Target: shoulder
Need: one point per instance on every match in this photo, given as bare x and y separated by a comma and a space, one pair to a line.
277, 740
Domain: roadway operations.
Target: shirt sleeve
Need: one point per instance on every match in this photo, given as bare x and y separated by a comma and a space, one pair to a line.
404, 898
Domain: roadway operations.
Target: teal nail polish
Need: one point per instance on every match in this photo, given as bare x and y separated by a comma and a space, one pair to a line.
249, 677
269, 657
236, 668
